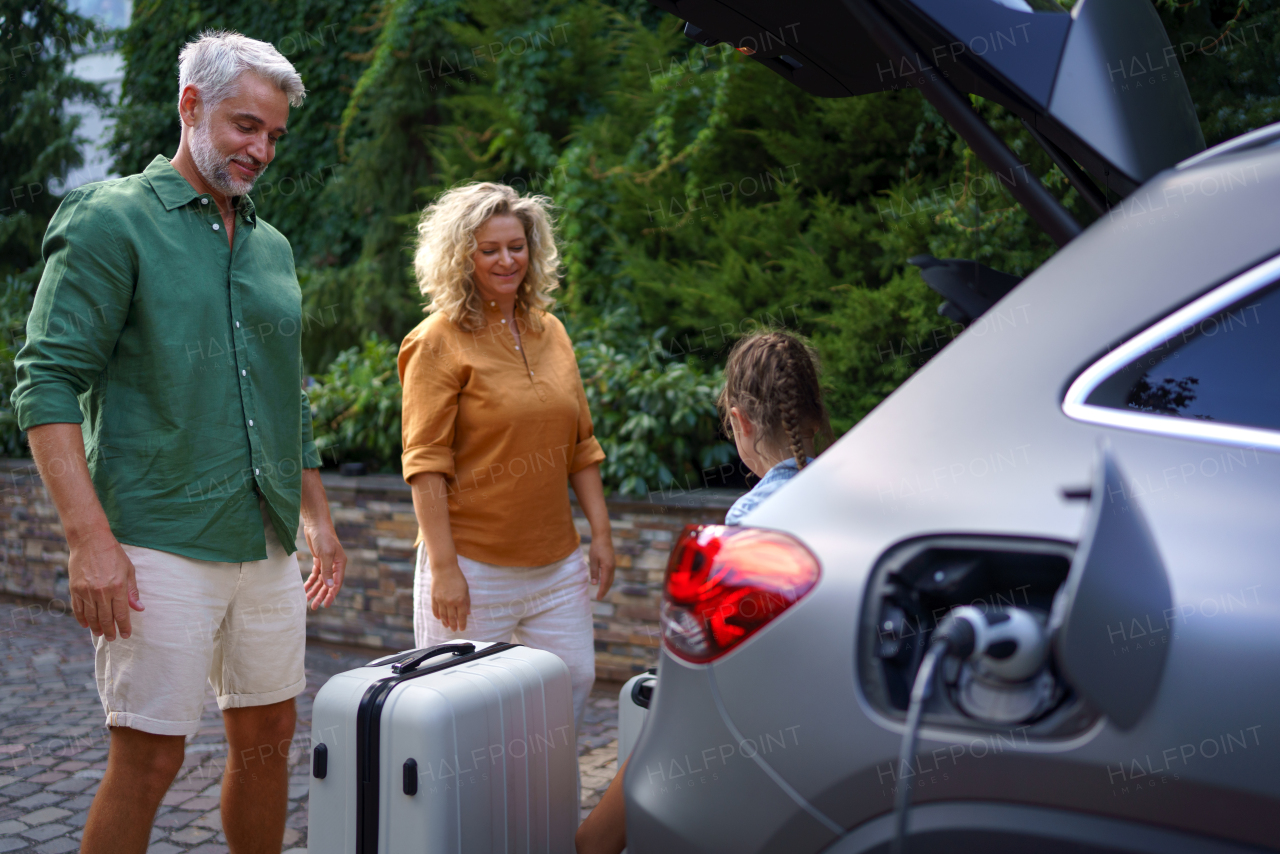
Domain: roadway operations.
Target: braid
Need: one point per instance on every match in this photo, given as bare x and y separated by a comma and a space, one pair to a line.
791, 403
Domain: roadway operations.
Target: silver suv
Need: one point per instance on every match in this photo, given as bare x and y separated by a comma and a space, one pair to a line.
1029, 603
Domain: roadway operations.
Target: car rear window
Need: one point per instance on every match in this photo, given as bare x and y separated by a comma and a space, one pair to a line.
1224, 368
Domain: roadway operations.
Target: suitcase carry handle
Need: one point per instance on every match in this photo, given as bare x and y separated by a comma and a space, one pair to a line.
642, 691
412, 664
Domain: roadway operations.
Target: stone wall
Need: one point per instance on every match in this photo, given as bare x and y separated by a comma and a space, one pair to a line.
375, 522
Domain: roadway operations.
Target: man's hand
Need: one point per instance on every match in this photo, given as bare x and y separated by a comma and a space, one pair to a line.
328, 565
328, 560
600, 559
450, 597
103, 587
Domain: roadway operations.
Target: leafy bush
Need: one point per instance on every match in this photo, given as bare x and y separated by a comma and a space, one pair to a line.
655, 416
16, 295
355, 407
39, 138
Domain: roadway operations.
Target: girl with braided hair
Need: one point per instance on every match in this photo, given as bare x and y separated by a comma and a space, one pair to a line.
772, 406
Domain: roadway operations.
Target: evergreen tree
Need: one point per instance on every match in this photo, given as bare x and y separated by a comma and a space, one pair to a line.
40, 145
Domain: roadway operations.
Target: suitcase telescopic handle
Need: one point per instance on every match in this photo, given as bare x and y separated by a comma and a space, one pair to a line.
411, 664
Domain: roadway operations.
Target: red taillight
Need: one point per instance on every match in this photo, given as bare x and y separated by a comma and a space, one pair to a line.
725, 583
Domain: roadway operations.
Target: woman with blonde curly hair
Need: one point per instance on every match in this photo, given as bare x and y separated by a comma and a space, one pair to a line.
496, 427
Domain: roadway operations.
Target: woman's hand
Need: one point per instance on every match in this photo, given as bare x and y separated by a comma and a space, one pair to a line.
590, 491
450, 597
600, 559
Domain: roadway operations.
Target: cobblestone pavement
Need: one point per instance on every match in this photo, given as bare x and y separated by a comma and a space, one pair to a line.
53, 746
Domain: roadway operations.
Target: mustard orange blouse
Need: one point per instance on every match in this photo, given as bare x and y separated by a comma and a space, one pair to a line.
506, 427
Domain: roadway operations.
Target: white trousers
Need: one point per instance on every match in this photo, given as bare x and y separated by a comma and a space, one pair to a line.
544, 607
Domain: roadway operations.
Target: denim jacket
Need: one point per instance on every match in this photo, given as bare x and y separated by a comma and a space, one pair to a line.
772, 481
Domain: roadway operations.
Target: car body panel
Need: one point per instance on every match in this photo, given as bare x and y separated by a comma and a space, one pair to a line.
1120, 90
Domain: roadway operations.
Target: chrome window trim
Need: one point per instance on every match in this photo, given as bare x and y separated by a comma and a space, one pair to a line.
1074, 406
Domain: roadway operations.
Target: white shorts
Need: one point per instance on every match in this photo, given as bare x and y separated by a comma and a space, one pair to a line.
239, 626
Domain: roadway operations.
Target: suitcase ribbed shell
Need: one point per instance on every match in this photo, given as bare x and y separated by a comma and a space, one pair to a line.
493, 755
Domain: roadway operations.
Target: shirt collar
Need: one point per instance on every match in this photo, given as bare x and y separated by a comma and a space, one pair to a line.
175, 191
785, 468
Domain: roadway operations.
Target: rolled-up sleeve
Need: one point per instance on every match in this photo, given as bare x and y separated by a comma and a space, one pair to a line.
80, 308
310, 456
430, 384
587, 452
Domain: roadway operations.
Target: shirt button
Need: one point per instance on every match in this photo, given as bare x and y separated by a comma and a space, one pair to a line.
517, 346
244, 373
250, 422
215, 226
255, 471
237, 324
504, 320
531, 373
204, 201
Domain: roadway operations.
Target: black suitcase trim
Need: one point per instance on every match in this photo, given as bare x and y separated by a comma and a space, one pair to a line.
369, 738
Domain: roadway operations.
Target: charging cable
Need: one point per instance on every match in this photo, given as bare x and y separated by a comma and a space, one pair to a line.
1009, 644
957, 636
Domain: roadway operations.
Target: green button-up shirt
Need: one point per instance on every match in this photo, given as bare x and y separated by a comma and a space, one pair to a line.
180, 358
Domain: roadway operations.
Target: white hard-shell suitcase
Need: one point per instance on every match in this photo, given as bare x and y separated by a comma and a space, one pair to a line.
633, 710
462, 747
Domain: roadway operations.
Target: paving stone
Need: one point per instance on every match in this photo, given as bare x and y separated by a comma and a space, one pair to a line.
17, 790
162, 848
11, 843
71, 785
39, 800
71, 766
217, 848
46, 831
11, 826
44, 815
200, 804
175, 798
191, 835
59, 846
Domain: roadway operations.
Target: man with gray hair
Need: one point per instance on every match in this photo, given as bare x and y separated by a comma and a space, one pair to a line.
161, 390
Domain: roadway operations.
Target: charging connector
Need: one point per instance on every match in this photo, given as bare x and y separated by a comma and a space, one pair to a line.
1010, 644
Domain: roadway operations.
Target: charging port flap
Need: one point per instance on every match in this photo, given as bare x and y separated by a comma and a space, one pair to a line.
1117, 585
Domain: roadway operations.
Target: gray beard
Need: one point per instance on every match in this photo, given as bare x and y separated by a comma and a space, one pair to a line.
214, 166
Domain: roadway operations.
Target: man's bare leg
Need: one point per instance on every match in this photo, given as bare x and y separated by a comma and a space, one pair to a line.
140, 768
255, 787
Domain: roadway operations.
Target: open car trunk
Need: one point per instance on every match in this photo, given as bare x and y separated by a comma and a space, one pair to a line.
1098, 86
